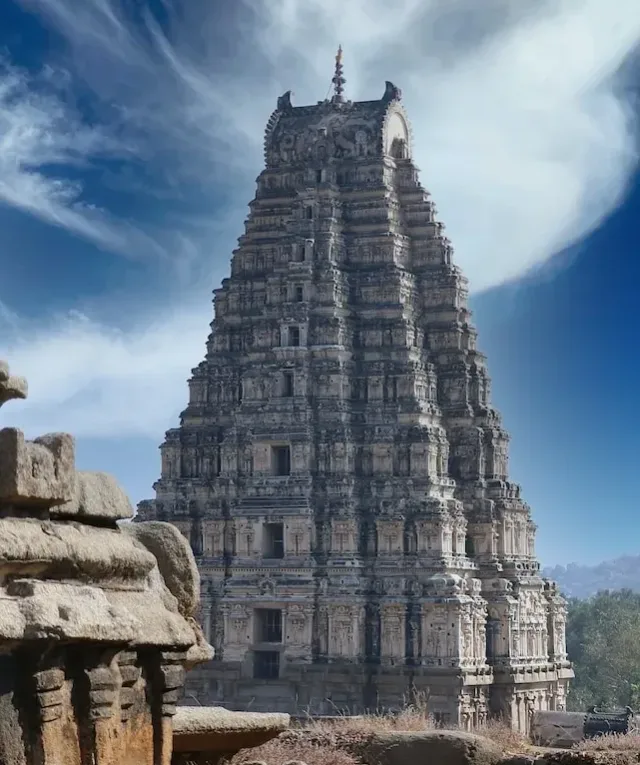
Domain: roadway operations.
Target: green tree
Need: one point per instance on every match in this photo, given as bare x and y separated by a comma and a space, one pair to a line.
603, 642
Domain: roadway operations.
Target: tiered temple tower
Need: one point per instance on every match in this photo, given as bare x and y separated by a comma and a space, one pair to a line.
339, 470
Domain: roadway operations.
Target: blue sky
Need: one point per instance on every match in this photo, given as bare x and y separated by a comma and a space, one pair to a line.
130, 139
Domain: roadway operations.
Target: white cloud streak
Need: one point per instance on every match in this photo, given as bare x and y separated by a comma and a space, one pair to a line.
94, 381
36, 131
520, 127
44, 148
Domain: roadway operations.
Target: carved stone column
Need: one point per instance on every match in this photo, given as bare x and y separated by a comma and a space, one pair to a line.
55, 748
129, 676
103, 679
167, 675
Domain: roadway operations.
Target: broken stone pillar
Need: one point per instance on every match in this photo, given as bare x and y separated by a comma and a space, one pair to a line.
97, 619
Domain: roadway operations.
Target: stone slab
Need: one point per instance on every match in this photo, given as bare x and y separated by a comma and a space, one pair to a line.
38, 473
97, 496
450, 747
33, 610
557, 729
71, 551
216, 730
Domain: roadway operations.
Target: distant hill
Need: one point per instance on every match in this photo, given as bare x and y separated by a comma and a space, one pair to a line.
578, 581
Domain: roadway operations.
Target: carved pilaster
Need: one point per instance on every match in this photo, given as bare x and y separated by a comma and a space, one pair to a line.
393, 639
49, 683
129, 676
51, 694
171, 675
103, 689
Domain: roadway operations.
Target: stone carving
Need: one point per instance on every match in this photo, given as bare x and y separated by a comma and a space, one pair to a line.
343, 537
284, 102
97, 622
344, 628
378, 493
391, 92
393, 633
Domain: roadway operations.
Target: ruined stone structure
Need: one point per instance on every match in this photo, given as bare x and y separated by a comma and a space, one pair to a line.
97, 622
340, 471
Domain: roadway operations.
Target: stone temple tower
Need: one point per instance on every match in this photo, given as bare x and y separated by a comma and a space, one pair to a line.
339, 469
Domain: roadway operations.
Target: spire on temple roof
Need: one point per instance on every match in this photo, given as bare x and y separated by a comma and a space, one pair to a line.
338, 80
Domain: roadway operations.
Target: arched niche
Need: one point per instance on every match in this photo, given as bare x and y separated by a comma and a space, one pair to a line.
397, 138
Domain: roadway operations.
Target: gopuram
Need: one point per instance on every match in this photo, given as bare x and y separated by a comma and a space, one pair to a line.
339, 470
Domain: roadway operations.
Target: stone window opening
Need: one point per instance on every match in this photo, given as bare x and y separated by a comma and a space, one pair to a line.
309, 212
298, 293
387, 337
441, 718
294, 336
410, 539
319, 176
273, 541
268, 625
281, 460
266, 665
287, 384
468, 546
195, 537
390, 390
363, 391
309, 246
240, 391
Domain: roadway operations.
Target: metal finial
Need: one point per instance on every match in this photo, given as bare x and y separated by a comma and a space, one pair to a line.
338, 80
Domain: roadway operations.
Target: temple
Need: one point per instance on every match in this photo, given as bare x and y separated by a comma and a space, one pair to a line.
339, 470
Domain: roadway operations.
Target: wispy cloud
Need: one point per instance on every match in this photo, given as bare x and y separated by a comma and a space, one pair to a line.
46, 147
520, 121
520, 127
95, 381
37, 131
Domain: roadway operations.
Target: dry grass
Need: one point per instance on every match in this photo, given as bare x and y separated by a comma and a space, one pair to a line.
332, 742
612, 742
286, 749
503, 735
412, 718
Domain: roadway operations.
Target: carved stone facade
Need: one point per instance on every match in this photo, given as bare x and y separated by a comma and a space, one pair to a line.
340, 471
